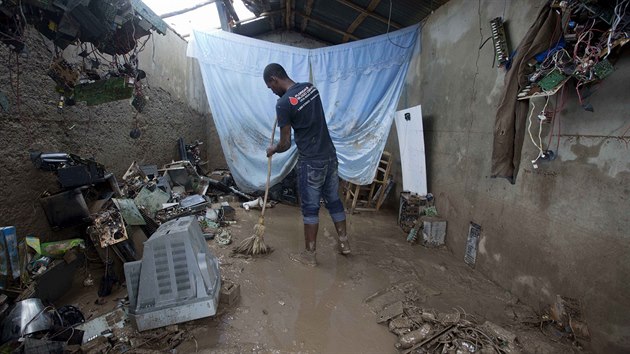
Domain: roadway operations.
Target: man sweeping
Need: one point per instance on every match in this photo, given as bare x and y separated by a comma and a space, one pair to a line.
300, 108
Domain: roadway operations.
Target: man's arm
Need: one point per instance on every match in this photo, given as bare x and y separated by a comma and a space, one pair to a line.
285, 141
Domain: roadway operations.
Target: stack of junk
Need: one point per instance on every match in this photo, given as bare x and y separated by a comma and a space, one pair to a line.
150, 232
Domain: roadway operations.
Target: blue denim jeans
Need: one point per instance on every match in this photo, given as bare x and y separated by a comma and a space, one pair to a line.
317, 180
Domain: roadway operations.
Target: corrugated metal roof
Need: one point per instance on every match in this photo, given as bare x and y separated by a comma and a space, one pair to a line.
337, 21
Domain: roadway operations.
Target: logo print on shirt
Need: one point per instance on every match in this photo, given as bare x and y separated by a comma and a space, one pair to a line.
294, 101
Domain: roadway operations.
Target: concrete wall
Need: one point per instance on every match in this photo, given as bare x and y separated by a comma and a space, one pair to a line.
167, 66
99, 131
562, 228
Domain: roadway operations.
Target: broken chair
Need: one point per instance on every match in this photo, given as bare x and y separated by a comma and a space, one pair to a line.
371, 197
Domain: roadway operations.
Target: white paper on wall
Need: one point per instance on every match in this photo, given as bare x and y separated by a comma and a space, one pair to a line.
411, 142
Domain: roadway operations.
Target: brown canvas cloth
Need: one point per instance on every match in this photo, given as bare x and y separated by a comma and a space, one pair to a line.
509, 127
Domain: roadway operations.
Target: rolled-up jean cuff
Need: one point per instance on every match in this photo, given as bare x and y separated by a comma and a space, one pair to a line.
336, 217
310, 220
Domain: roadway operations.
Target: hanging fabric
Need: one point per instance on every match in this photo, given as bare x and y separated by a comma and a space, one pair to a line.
511, 117
360, 84
243, 108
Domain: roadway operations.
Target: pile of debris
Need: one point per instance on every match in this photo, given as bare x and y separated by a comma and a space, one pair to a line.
147, 198
155, 224
422, 330
563, 321
32, 327
419, 220
425, 330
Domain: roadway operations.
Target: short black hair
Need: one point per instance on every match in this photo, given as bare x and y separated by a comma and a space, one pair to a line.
276, 70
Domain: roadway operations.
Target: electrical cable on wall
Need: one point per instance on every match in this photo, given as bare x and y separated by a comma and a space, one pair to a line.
589, 37
529, 129
542, 117
389, 18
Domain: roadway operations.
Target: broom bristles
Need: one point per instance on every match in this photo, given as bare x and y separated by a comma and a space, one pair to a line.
254, 245
259, 230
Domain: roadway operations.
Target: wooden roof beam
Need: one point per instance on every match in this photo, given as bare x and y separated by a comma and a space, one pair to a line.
307, 12
327, 26
369, 13
287, 16
362, 16
183, 11
269, 15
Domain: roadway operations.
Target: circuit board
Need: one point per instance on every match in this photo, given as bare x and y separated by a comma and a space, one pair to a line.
551, 80
499, 40
603, 69
103, 91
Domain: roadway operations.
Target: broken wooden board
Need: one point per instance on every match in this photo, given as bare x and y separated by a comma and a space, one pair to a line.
390, 311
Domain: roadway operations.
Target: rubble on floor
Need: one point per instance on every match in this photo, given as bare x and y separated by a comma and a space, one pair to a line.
150, 234
153, 213
563, 321
423, 330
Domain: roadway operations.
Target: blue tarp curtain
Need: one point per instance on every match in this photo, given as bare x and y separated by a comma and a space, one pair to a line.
359, 83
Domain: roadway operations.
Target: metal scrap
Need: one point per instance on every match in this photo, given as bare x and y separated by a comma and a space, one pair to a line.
134, 179
103, 325
151, 200
411, 208
183, 173
410, 339
194, 200
63, 74
108, 228
112, 332
129, 211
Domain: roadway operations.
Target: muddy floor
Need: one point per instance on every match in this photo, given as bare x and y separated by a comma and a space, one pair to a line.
287, 307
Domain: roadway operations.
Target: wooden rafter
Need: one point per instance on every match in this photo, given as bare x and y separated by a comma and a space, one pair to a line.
272, 23
362, 16
225, 22
326, 26
370, 13
287, 16
269, 14
183, 11
307, 12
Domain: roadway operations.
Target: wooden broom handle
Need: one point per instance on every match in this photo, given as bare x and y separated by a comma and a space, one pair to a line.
273, 134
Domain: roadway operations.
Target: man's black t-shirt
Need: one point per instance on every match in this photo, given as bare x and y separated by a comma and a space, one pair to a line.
301, 107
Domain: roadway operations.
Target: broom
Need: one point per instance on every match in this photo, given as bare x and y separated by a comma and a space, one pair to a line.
255, 245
